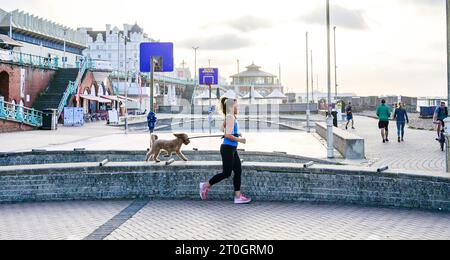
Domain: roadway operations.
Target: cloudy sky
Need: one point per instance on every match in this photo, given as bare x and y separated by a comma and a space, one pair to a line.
384, 46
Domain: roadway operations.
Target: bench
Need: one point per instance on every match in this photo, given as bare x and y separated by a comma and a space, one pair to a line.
349, 145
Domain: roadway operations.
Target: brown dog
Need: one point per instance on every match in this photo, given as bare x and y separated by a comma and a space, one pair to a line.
170, 146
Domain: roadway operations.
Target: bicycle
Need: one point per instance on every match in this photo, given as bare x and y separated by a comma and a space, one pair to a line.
441, 138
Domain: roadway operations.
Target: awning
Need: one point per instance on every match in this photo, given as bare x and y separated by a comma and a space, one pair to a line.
94, 98
128, 99
5, 40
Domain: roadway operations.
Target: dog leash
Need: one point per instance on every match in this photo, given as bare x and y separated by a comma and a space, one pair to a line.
206, 136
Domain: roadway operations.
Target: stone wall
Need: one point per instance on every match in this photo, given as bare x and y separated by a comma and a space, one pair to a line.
261, 181
51, 157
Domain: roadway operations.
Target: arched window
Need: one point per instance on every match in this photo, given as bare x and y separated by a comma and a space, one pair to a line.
4, 85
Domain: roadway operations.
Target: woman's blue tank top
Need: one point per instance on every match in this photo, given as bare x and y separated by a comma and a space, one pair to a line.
226, 141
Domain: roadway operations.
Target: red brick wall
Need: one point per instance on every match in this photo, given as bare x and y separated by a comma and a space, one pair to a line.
8, 126
36, 81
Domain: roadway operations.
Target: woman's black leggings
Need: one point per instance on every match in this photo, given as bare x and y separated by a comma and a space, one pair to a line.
231, 163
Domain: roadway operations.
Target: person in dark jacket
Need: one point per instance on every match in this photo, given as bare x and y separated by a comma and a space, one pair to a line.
401, 116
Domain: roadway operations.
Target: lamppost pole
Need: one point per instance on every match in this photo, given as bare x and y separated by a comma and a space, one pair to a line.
335, 65
448, 50
126, 86
64, 55
312, 77
330, 141
195, 72
308, 112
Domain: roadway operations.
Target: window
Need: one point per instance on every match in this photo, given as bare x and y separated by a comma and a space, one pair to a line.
109, 56
99, 56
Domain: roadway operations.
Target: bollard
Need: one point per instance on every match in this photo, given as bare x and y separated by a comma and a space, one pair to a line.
169, 162
307, 165
104, 162
383, 169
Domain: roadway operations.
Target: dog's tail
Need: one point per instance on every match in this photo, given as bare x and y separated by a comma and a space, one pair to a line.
153, 138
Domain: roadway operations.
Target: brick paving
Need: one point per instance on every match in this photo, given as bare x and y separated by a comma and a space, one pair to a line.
216, 220
55, 221
190, 220
420, 151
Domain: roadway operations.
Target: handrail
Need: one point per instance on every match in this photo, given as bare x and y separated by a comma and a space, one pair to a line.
20, 114
72, 87
29, 59
157, 77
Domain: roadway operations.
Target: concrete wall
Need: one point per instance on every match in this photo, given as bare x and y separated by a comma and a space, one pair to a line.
349, 145
261, 181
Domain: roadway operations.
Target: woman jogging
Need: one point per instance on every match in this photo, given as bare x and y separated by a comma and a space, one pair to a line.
230, 157
401, 116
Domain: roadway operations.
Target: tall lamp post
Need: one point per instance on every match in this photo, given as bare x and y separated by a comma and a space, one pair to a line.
448, 77
308, 112
330, 141
126, 39
448, 50
64, 55
335, 65
195, 72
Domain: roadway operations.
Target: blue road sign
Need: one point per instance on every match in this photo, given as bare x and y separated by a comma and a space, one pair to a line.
161, 52
209, 76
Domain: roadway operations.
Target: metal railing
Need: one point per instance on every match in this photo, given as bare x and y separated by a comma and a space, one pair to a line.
20, 114
72, 87
33, 60
158, 77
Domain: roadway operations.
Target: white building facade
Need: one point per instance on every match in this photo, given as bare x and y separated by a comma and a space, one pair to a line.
109, 47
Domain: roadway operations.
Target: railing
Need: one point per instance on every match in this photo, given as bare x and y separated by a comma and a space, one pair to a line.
72, 87
33, 60
20, 114
157, 77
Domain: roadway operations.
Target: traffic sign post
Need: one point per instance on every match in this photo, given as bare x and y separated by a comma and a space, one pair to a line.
209, 77
156, 57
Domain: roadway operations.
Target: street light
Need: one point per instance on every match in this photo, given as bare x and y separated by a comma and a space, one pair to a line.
330, 147
126, 39
448, 50
64, 55
335, 65
308, 112
195, 71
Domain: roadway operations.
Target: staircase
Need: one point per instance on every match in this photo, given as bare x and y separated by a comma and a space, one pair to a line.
54, 94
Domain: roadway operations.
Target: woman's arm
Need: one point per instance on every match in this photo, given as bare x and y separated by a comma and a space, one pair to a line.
229, 130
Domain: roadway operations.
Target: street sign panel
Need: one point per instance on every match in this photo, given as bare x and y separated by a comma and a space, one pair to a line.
161, 52
209, 76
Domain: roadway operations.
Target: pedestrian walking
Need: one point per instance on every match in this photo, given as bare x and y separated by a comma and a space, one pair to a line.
401, 117
384, 114
349, 111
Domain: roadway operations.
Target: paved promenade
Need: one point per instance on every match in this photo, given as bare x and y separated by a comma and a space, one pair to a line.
420, 151
196, 220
